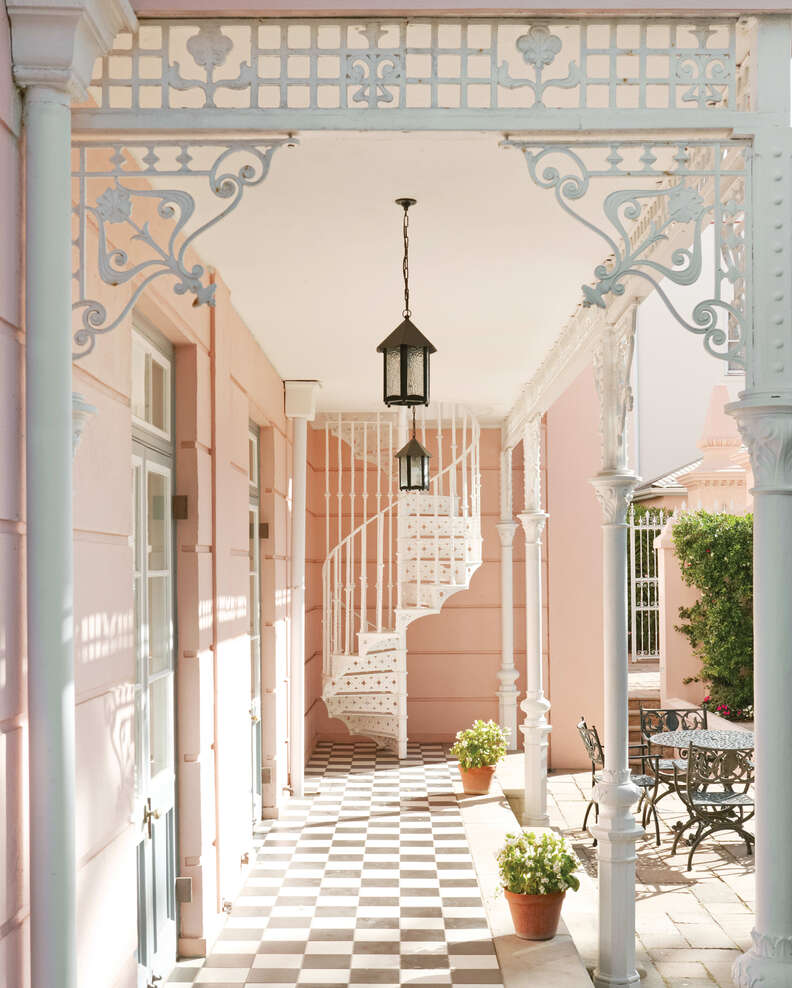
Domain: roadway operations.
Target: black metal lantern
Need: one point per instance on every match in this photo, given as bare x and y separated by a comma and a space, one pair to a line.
413, 465
406, 351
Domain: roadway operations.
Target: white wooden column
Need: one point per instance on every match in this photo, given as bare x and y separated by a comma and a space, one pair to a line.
301, 408
535, 706
764, 417
54, 48
616, 830
507, 675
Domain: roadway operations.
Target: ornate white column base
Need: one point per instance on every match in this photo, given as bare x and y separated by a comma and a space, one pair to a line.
535, 730
617, 832
767, 964
535, 706
508, 674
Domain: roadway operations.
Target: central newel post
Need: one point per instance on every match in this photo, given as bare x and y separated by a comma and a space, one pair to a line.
535, 706
617, 830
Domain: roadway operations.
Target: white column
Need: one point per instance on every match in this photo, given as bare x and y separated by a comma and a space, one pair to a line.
764, 416
50, 591
507, 675
535, 706
767, 431
617, 830
301, 408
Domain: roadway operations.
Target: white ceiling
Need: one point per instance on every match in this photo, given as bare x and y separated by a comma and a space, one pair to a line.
313, 261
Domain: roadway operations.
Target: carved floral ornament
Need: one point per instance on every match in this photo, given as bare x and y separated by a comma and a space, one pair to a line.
767, 432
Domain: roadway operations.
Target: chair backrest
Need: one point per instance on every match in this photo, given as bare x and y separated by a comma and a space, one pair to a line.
592, 744
658, 720
708, 767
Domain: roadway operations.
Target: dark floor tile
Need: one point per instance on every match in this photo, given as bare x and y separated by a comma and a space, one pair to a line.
418, 936
377, 923
321, 961
411, 962
281, 947
332, 935
465, 924
374, 976
471, 947
328, 911
376, 946
422, 912
468, 976
288, 922
229, 960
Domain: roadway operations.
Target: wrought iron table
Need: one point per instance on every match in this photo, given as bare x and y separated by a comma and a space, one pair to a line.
733, 740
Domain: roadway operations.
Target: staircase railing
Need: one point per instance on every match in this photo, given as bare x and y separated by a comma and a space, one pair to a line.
364, 571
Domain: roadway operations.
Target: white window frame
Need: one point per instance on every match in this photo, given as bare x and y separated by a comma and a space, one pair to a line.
153, 353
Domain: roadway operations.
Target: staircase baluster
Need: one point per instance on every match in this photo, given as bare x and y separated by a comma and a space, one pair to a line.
394, 495
337, 602
327, 488
379, 571
348, 616
351, 542
438, 490
340, 495
465, 456
453, 481
363, 537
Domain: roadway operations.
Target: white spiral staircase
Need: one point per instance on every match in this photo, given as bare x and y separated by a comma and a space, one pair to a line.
395, 557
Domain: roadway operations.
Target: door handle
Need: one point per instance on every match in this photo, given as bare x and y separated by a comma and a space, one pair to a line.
148, 815
154, 979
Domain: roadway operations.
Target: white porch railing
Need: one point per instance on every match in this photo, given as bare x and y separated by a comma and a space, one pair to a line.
644, 587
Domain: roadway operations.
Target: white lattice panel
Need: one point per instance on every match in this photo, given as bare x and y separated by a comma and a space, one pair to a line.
375, 682
387, 66
375, 662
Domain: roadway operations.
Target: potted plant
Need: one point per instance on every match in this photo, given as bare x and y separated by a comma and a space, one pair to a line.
535, 871
479, 749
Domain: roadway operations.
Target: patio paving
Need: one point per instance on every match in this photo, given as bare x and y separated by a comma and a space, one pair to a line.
691, 925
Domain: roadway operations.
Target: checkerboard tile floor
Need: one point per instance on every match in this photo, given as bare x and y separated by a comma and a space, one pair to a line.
366, 881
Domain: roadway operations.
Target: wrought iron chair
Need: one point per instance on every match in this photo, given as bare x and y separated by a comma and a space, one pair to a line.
596, 754
656, 720
714, 788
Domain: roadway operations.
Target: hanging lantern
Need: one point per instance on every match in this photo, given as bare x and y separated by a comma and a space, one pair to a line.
413, 465
406, 351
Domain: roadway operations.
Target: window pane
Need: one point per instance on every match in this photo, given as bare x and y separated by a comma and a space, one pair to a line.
159, 623
157, 516
138, 381
253, 460
160, 732
158, 402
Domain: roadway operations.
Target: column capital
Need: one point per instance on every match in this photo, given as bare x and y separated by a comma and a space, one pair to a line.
766, 429
506, 530
56, 42
300, 399
533, 523
613, 491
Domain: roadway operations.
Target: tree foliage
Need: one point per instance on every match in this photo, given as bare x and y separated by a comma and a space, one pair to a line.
716, 555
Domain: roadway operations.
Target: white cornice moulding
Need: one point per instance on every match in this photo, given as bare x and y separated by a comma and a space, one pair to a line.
56, 44
300, 397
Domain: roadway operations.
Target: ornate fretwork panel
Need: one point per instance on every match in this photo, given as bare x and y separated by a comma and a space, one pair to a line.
656, 200
136, 220
461, 66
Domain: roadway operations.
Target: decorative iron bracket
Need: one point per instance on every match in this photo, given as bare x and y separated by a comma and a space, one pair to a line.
143, 231
655, 222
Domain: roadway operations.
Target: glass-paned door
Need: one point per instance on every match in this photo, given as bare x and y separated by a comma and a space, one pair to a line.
254, 613
155, 775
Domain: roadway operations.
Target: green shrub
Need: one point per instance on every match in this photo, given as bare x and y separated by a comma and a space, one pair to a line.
530, 864
716, 555
482, 744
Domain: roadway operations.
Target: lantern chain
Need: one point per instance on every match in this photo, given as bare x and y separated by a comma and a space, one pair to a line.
405, 262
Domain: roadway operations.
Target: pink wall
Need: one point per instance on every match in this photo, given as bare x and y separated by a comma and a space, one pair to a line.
574, 587
14, 932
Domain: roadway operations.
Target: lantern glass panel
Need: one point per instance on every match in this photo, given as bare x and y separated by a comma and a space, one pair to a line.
415, 371
404, 472
392, 371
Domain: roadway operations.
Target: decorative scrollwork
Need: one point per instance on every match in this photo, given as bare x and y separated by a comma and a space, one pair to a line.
539, 48
641, 220
235, 168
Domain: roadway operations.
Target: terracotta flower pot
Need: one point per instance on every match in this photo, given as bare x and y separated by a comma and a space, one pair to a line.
477, 781
535, 917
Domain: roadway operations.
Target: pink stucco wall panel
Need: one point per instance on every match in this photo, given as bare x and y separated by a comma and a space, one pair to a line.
13, 833
107, 918
103, 473
12, 428
12, 611
104, 644
105, 751
575, 569
10, 196
15, 954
